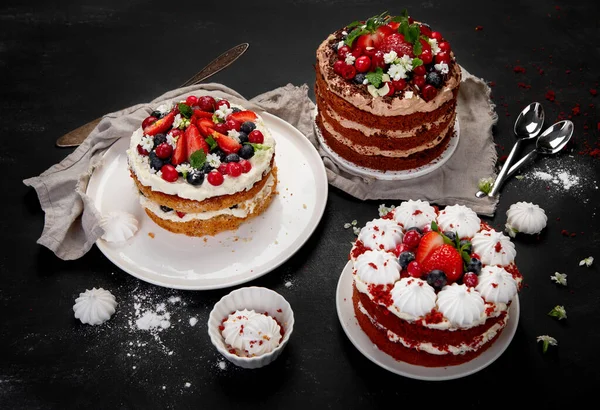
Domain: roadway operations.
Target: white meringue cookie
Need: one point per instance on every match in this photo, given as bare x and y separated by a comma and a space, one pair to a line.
118, 226
461, 305
94, 306
494, 248
460, 219
381, 234
414, 214
526, 217
496, 285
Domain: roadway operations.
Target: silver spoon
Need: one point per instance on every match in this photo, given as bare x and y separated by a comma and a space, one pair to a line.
550, 142
528, 125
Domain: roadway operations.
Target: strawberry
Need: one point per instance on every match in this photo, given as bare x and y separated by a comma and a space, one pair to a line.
205, 126
381, 34
161, 125
429, 242
242, 116
395, 42
226, 143
194, 141
364, 41
202, 114
447, 259
180, 153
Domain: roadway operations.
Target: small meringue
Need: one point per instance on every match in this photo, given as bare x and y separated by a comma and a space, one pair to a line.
118, 226
525, 217
94, 306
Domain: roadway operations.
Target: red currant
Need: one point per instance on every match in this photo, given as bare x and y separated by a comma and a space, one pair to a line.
234, 169
426, 56
222, 168
246, 165
338, 66
256, 137
399, 85
149, 121
215, 178
191, 100
349, 72
141, 150
420, 70
221, 128
412, 239
206, 103
436, 35
377, 61
233, 124
164, 150
221, 103
429, 92
342, 51
169, 173
357, 52
400, 248
362, 64
414, 269
419, 80
442, 57
470, 279
370, 51
444, 46
426, 31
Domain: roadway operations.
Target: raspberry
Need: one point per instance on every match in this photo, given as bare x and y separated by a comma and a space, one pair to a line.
414, 269
470, 279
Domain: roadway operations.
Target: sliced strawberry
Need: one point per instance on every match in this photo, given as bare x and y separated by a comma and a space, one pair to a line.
395, 42
242, 116
202, 114
394, 25
429, 242
226, 143
205, 126
180, 153
381, 34
194, 141
161, 125
364, 41
447, 259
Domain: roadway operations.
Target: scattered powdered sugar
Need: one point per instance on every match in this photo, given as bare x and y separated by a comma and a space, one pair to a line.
288, 284
222, 365
193, 321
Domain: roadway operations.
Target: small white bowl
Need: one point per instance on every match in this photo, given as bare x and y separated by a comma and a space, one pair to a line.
260, 300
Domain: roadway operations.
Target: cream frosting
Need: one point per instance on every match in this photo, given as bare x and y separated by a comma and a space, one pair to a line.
494, 248
377, 268
413, 296
526, 217
381, 234
413, 213
118, 226
496, 284
94, 306
250, 333
460, 219
461, 305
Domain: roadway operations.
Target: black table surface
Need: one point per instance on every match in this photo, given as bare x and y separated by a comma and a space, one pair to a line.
65, 63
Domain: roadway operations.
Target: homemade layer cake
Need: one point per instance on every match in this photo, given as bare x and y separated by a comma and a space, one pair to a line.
386, 91
203, 165
430, 287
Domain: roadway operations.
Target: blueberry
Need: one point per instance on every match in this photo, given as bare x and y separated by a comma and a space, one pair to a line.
437, 279
157, 114
246, 152
405, 258
165, 208
466, 245
434, 78
155, 162
195, 177
207, 168
247, 127
359, 78
235, 109
159, 139
232, 158
243, 137
474, 266
451, 235
220, 153
414, 228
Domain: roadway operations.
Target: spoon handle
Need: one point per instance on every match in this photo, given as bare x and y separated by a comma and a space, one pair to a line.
504, 171
526, 159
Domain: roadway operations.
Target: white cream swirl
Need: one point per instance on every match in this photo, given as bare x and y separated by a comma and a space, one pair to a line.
378, 268
94, 306
381, 234
496, 285
413, 296
118, 226
461, 305
460, 219
526, 217
250, 333
414, 214
494, 248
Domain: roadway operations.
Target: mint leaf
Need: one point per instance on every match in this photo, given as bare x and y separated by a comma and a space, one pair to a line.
258, 147
354, 34
413, 33
197, 159
212, 144
404, 13
416, 62
185, 110
375, 77
417, 49
353, 24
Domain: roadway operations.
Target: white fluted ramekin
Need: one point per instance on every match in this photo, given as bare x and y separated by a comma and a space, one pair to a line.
260, 300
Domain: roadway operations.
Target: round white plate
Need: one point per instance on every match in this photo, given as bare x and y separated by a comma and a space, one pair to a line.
392, 175
230, 258
362, 342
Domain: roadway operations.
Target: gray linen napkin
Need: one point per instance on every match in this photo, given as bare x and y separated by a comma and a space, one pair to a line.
71, 224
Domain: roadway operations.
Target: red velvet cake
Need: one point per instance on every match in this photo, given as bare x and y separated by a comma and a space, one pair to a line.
433, 287
386, 92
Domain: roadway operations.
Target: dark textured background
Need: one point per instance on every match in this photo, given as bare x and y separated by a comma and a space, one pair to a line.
63, 64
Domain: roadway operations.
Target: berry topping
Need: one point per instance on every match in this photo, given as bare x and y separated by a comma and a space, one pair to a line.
429, 92
165, 208
233, 124
400, 248
412, 239
348, 72
338, 66
414, 269
420, 70
226, 143
447, 259
246, 166
436, 35
425, 29
474, 265
434, 78
343, 51
466, 246
195, 177
206, 103
450, 235
215, 178
164, 150
141, 150
442, 57
195, 142
243, 137
470, 279
161, 125
169, 173
221, 127
256, 137
437, 279
243, 116
232, 158
223, 168
246, 152
415, 228
221, 103
396, 42
180, 152
234, 169
155, 162
405, 258
429, 242
362, 64
191, 100
419, 80
444, 46
149, 121
377, 60
359, 78
426, 56
247, 127
159, 139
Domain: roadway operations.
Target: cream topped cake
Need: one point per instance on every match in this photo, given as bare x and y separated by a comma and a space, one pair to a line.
203, 165
249, 334
438, 289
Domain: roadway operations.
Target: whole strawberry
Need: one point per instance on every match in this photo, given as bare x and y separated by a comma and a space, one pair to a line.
396, 42
447, 259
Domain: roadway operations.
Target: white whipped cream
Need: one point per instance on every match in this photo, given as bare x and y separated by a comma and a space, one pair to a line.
251, 333
496, 285
461, 305
413, 296
94, 306
381, 234
460, 219
494, 248
118, 226
414, 214
377, 268
526, 217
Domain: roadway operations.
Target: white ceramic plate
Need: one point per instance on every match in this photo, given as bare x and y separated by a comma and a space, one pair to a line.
392, 175
362, 342
229, 258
